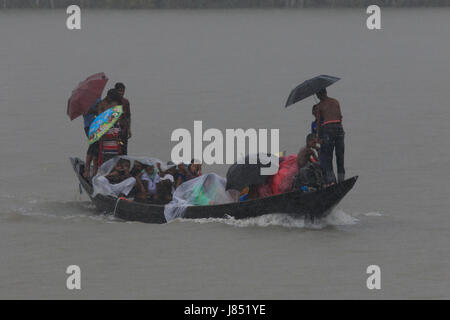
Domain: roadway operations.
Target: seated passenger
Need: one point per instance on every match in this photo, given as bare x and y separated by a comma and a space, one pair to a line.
309, 152
150, 178
139, 191
171, 169
309, 171
170, 174
118, 182
181, 175
137, 168
164, 189
194, 170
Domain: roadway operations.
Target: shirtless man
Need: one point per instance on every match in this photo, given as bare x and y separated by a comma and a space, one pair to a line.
332, 134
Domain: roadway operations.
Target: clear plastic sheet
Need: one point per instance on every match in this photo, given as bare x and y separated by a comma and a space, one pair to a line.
108, 166
208, 189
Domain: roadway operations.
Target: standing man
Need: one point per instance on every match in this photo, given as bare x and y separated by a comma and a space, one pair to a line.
332, 133
112, 99
92, 152
125, 119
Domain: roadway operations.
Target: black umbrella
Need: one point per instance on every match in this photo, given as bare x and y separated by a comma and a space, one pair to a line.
240, 176
310, 87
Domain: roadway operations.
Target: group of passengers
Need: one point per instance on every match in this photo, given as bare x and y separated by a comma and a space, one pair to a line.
147, 182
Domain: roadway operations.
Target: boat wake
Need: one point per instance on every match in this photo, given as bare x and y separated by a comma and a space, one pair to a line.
19, 209
16, 210
336, 218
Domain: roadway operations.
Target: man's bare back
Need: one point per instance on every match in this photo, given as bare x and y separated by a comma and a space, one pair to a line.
328, 110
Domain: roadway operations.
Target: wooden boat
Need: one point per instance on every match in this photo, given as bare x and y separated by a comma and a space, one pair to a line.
313, 205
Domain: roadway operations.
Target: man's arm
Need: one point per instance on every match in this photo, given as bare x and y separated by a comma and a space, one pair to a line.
139, 183
313, 156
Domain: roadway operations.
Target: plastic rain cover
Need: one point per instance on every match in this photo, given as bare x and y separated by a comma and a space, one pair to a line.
108, 166
208, 189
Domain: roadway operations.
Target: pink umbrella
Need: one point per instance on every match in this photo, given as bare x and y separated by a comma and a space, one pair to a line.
86, 94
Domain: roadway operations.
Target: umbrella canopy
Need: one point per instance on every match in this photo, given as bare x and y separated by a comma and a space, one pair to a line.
309, 88
105, 121
86, 94
242, 175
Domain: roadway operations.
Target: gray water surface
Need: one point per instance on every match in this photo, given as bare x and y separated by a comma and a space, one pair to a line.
230, 69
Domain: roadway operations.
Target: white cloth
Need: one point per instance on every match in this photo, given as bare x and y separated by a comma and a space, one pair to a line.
168, 177
102, 184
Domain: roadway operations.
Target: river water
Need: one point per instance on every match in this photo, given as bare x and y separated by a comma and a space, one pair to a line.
230, 69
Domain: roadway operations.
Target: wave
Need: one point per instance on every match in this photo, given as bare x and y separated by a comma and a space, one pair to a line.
19, 209
336, 218
373, 214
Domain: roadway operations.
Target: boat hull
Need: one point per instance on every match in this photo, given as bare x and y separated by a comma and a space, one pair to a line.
314, 205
